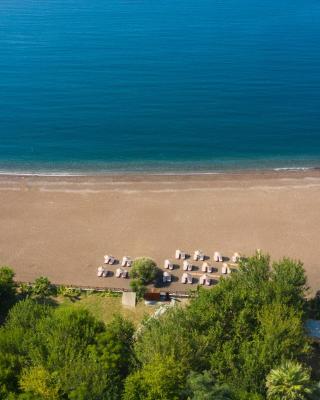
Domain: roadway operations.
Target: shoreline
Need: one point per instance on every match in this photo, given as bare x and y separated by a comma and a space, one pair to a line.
150, 176
132, 172
61, 227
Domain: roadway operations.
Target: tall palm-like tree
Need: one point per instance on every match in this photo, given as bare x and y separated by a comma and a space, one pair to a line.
291, 381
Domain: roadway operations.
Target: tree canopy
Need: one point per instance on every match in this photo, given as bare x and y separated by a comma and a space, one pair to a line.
243, 339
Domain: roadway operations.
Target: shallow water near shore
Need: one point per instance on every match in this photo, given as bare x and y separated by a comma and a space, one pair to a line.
189, 86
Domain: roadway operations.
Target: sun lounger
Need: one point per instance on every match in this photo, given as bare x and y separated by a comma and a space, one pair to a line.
118, 272
121, 273
178, 254
186, 278
217, 257
204, 267
100, 272
109, 259
168, 264
236, 257
205, 280
126, 261
166, 277
198, 255
224, 268
187, 266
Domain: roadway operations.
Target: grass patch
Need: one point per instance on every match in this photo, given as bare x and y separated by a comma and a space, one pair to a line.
105, 307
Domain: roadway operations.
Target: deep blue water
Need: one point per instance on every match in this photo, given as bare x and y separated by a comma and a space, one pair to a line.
159, 84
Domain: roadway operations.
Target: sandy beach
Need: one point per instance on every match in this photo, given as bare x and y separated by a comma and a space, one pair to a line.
61, 227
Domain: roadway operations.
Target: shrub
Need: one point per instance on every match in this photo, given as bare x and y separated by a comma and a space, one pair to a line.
144, 269
42, 287
291, 381
138, 287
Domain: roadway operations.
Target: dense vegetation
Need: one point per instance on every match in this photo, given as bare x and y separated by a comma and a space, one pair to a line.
244, 339
144, 271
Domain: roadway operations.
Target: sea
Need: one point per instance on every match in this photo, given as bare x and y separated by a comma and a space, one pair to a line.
190, 86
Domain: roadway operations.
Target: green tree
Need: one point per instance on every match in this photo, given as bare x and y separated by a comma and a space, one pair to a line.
203, 387
240, 329
162, 379
139, 287
289, 282
290, 381
144, 269
42, 287
38, 381
114, 352
7, 290
16, 338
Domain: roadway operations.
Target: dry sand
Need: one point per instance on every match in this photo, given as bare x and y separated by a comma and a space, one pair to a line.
61, 227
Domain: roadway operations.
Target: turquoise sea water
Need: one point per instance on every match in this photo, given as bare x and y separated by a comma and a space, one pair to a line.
158, 85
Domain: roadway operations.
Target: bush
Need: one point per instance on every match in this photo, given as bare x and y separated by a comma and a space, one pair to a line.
138, 287
290, 381
42, 288
7, 290
71, 293
144, 269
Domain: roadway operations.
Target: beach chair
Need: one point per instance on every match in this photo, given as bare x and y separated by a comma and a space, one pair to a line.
166, 277
217, 257
104, 273
126, 261
118, 273
236, 257
224, 268
196, 255
183, 255
167, 264
100, 272
186, 266
204, 267
184, 278
109, 259
190, 279
124, 273
178, 254
205, 280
